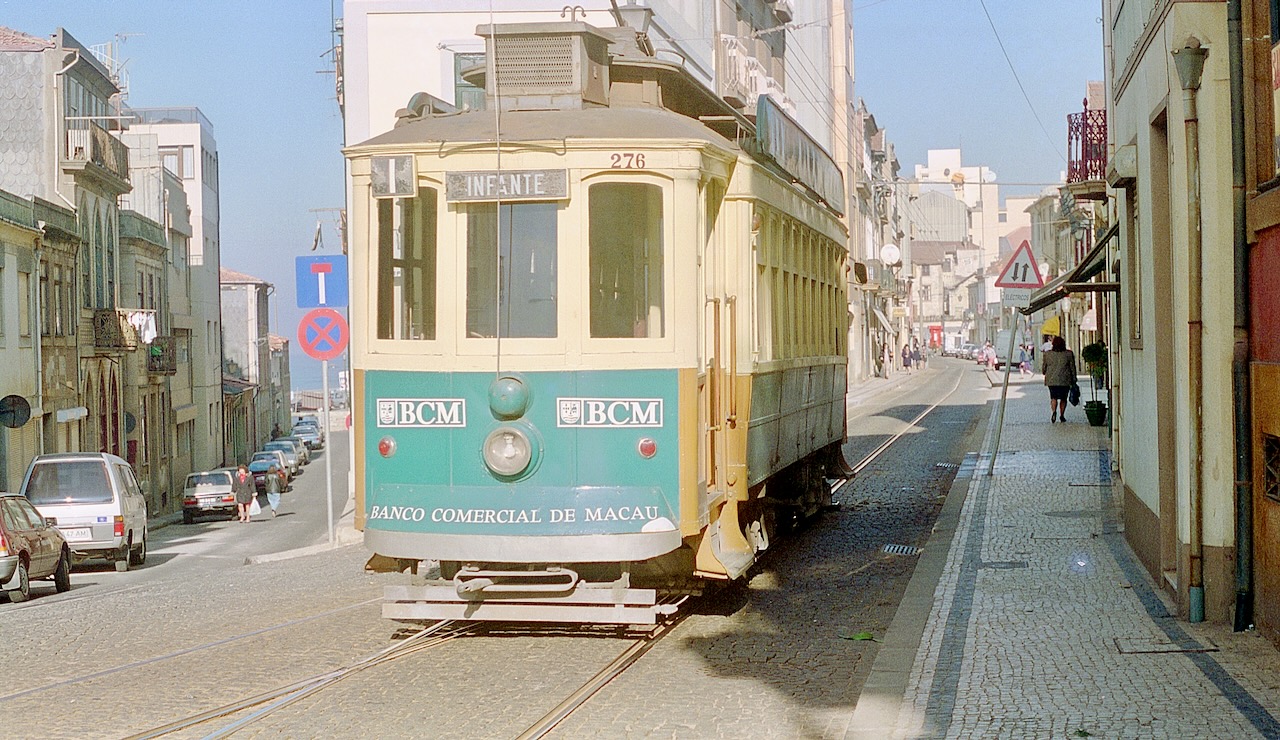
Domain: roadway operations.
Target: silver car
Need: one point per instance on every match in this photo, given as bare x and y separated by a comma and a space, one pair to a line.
292, 458
95, 501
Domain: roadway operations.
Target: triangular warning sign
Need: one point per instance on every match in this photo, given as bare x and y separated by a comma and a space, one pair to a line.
1022, 271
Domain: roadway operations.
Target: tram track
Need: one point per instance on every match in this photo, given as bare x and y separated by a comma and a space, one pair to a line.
629, 657
278, 698
183, 652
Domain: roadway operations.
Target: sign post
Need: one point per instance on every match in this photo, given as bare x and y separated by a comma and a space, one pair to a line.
1017, 280
323, 334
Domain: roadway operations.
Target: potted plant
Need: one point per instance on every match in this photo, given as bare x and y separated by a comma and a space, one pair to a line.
1095, 361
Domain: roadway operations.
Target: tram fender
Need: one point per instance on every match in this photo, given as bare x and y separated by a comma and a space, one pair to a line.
724, 549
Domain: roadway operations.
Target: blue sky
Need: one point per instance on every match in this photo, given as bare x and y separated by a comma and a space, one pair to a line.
932, 73
930, 70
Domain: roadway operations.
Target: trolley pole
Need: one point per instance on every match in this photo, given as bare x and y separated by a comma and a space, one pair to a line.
328, 458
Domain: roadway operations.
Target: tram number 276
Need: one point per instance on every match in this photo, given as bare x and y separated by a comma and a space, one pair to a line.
626, 161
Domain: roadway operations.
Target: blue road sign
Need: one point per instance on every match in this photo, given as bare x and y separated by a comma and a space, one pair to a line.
322, 281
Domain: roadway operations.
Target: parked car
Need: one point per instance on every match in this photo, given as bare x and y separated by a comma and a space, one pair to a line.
30, 547
304, 453
260, 465
94, 499
208, 492
292, 458
311, 436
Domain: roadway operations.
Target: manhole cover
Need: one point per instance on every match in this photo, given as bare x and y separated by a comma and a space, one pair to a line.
902, 550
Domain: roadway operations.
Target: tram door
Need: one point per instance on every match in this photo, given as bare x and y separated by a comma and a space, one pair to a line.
711, 356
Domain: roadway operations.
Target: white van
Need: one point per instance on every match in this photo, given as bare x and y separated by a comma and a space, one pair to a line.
96, 503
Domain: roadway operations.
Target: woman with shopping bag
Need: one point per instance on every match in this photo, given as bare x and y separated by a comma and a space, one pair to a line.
245, 490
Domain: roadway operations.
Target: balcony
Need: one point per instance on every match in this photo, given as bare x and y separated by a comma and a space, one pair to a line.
1087, 154
92, 148
162, 356
112, 330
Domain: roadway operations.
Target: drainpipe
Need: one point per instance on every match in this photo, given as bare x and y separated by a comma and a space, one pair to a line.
39, 343
1189, 61
61, 118
1241, 388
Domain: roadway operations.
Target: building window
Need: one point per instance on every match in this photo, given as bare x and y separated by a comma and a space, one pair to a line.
407, 267
1275, 90
24, 304
466, 95
42, 299
511, 270
626, 261
1271, 466
186, 438
180, 160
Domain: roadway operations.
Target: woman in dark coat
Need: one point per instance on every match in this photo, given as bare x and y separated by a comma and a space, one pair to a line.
246, 491
1059, 368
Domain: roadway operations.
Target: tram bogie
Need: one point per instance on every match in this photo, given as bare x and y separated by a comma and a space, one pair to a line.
599, 346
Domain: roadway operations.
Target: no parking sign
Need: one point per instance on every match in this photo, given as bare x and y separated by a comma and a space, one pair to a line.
323, 333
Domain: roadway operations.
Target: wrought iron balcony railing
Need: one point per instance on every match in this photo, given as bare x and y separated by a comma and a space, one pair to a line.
162, 356
1087, 145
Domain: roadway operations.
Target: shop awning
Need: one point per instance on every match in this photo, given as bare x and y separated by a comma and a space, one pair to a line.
1052, 327
1077, 279
884, 320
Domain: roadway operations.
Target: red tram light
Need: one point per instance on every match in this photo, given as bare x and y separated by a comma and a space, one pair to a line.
386, 447
647, 447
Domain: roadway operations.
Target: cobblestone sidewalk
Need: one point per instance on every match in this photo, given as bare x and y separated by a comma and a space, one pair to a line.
1029, 615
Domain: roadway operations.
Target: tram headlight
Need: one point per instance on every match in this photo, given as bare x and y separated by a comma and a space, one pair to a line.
508, 451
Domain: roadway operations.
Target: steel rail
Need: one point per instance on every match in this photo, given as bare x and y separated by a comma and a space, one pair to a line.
597, 682
870, 458
185, 651
440, 632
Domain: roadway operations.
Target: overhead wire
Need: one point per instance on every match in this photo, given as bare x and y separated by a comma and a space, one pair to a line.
1018, 80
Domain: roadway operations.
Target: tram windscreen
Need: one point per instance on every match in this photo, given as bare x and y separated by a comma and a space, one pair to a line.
407, 267
515, 247
626, 260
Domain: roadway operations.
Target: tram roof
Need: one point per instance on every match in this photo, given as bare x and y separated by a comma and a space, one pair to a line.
552, 125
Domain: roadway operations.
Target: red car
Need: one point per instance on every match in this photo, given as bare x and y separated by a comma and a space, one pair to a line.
30, 548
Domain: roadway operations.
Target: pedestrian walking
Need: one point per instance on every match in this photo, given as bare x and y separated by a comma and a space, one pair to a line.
1059, 368
273, 489
916, 359
1024, 360
989, 355
906, 357
246, 492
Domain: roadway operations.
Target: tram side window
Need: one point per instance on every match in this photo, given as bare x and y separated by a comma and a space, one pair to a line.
626, 260
512, 246
407, 267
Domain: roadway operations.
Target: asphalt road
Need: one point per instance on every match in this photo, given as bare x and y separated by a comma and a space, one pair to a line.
216, 542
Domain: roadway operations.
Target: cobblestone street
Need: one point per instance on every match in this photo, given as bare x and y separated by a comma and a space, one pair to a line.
772, 661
